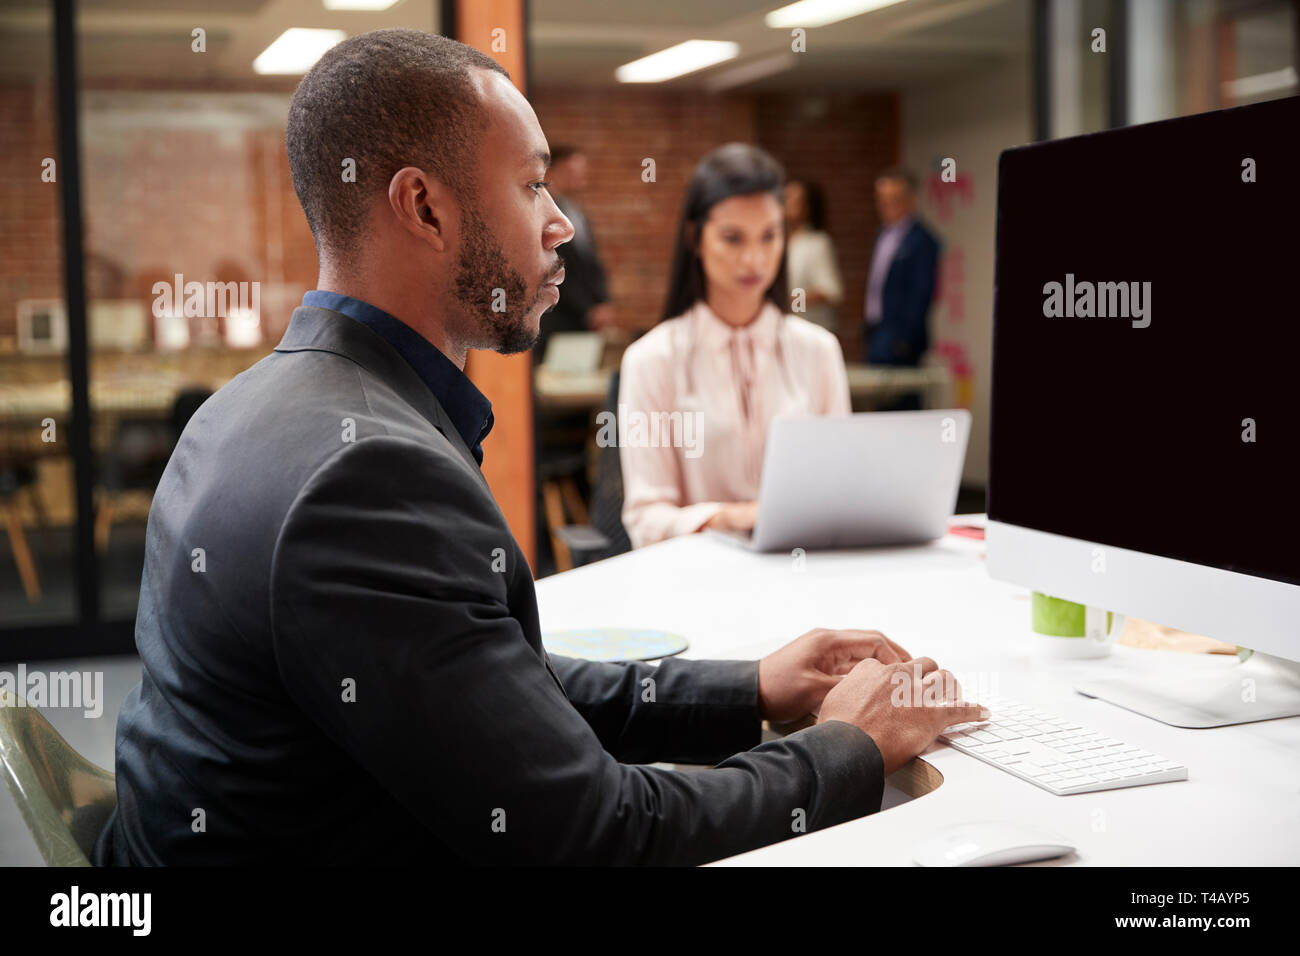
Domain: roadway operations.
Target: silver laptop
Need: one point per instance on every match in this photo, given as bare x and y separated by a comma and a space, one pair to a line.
875, 478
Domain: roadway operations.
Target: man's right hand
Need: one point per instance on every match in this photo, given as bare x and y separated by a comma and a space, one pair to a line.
903, 707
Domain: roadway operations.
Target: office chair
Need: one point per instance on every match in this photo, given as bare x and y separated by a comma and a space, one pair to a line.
570, 534
577, 539
607, 495
65, 799
139, 454
14, 478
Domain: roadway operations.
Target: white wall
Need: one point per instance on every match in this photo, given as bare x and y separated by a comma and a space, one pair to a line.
970, 118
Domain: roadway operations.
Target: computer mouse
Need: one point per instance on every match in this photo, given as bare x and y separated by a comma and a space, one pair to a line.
989, 843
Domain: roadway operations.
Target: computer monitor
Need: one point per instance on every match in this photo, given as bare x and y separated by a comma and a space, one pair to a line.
1145, 395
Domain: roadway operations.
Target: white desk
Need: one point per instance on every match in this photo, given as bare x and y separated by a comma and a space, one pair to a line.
1240, 805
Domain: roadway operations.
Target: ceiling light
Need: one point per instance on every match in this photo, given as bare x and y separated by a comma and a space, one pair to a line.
818, 13
358, 4
677, 61
296, 50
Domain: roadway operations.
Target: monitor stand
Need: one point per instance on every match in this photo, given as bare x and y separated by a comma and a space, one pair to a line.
1261, 688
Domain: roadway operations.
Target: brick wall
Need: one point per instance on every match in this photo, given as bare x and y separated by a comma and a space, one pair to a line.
634, 221
31, 238
218, 205
213, 204
841, 142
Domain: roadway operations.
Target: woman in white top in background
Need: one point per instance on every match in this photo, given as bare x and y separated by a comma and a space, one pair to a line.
810, 255
725, 359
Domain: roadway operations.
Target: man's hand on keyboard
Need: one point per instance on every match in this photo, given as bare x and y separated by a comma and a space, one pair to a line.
793, 681
902, 706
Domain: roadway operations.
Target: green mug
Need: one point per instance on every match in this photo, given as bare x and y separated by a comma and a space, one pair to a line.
1074, 630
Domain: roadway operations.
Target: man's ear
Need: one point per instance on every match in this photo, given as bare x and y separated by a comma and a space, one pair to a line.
421, 205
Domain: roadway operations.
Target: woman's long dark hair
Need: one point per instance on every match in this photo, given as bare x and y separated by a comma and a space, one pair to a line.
816, 200
736, 169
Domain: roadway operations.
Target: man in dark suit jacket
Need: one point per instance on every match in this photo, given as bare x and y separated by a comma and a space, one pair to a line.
559, 440
341, 649
900, 286
585, 305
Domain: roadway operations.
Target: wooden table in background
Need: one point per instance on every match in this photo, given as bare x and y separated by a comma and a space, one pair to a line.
868, 386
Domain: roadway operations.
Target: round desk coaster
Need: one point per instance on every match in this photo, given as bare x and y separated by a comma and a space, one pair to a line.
614, 644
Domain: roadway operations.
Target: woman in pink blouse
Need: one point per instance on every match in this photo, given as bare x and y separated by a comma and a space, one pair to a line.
698, 391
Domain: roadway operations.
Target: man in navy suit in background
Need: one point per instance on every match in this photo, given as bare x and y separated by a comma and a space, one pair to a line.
900, 285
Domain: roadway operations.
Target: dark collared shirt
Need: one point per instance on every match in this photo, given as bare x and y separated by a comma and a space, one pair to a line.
467, 407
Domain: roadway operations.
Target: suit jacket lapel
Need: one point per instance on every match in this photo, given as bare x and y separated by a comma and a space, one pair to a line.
313, 328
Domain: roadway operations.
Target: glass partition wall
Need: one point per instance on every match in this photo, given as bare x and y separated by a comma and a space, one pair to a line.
153, 246
190, 253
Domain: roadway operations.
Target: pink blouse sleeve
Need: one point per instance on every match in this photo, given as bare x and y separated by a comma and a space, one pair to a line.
654, 506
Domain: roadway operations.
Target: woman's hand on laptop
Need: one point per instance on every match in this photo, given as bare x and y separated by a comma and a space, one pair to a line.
793, 681
902, 707
734, 516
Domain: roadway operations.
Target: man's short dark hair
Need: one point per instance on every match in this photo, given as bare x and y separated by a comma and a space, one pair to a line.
385, 100
902, 175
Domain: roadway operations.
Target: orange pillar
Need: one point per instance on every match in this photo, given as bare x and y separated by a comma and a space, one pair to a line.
496, 27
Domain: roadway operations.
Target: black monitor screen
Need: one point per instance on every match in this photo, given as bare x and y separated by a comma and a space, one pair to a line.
1146, 340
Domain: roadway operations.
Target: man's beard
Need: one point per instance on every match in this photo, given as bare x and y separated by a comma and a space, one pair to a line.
480, 273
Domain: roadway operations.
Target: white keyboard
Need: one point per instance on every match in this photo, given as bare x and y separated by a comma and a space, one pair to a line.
1057, 754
